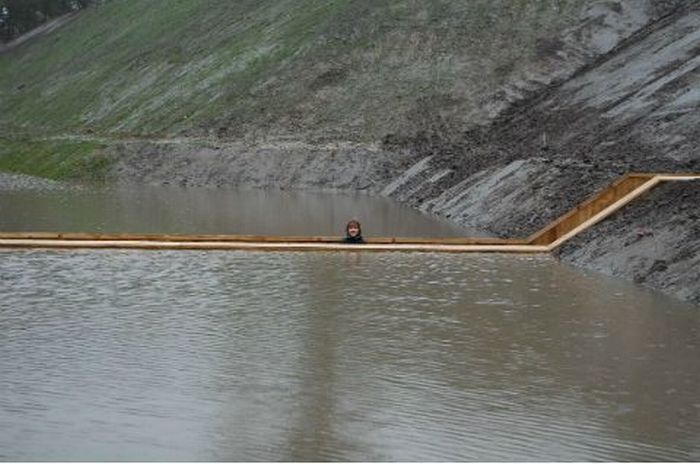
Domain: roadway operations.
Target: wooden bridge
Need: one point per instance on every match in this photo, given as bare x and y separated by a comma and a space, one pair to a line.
585, 215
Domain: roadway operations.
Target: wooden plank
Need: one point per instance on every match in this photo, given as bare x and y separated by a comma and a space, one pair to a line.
255, 238
621, 202
589, 208
678, 177
645, 187
265, 246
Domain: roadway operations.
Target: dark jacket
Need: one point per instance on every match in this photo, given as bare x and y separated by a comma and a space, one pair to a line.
357, 239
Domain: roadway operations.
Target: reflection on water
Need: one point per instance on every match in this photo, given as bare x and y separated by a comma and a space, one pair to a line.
183, 355
144, 209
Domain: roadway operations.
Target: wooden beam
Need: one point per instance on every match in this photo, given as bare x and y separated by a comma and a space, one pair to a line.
625, 199
265, 246
589, 208
254, 238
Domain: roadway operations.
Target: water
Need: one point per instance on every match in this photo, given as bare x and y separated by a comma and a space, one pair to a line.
229, 355
147, 209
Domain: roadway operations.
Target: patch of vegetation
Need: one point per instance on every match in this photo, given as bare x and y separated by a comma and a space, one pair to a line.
54, 159
353, 68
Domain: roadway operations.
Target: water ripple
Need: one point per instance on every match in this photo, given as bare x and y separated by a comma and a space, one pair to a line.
122, 355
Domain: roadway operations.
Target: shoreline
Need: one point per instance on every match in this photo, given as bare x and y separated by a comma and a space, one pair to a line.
17, 182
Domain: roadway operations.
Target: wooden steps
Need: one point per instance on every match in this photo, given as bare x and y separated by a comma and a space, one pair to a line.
600, 206
585, 215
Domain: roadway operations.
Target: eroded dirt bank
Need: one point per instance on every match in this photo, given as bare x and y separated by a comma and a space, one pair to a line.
278, 165
635, 109
654, 241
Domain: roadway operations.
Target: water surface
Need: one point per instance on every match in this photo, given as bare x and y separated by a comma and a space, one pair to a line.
188, 355
151, 209
185, 355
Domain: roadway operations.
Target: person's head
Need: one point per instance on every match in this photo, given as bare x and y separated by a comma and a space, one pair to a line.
353, 229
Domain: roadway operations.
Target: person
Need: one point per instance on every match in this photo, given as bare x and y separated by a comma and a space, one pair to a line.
353, 232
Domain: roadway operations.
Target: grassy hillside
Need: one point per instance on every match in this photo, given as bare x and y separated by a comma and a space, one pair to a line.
338, 69
54, 159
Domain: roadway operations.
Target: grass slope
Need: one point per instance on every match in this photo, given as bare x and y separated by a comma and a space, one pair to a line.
58, 160
340, 69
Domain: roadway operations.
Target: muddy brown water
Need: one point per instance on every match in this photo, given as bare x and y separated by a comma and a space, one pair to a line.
174, 210
192, 355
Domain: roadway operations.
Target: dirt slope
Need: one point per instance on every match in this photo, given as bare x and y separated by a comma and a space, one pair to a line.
655, 242
637, 108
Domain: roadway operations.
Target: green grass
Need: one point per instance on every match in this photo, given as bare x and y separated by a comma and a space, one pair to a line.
54, 159
166, 67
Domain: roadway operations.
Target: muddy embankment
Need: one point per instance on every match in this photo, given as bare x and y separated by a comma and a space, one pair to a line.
655, 241
635, 108
618, 93
279, 165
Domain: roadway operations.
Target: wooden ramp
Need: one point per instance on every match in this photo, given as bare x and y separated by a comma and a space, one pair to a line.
585, 215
